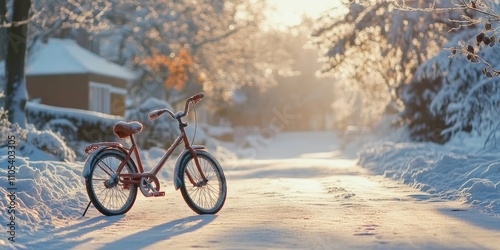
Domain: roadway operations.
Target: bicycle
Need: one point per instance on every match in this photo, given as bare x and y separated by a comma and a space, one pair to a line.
113, 173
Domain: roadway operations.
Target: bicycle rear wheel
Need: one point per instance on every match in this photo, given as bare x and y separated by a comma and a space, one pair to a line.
105, 190
204, 196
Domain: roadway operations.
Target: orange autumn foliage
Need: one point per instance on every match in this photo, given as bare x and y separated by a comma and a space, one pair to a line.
175, 65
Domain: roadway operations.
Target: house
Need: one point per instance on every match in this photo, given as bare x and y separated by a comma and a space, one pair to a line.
62, 73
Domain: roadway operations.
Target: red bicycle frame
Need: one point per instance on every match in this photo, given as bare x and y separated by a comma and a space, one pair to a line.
133, 151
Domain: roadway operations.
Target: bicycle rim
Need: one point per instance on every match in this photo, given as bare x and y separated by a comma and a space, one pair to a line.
108, 195
210, 197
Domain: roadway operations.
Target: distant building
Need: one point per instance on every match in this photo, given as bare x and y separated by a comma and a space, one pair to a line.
61, 73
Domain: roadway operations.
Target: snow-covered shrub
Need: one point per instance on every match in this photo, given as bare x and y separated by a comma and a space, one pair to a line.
48, 142
474, 98
422, 123
31, 141
90, 126
468, 100
158, 133
64, 127
454, 95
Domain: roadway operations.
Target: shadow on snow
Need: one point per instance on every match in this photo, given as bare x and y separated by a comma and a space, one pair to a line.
68, 237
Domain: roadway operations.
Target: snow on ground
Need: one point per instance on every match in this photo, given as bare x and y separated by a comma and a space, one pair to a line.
43, 193
50, 193
39, 191
459, 170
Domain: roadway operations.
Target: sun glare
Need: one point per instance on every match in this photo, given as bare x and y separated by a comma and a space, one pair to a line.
286, 13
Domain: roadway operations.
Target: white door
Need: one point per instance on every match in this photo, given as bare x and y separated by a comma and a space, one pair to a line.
100, 96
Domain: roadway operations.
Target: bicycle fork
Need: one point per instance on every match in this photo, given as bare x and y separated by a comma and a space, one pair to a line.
203, 180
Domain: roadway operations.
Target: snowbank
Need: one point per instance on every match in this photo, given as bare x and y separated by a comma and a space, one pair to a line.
458, 171
43, 193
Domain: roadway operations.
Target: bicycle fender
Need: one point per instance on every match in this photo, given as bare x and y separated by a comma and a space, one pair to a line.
180, 159
91, 158
89, 161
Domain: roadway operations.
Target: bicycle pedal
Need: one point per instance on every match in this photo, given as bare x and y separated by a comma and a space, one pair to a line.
159, 194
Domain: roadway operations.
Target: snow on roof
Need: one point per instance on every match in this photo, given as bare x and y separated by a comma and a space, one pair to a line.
64, 56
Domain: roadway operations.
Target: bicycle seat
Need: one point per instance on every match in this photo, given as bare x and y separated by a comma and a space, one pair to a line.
124, 129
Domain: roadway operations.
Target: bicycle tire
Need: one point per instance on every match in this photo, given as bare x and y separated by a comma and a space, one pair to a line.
107, 194
211, 196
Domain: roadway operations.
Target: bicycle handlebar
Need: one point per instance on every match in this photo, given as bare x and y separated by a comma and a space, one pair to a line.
197, 97
157, 113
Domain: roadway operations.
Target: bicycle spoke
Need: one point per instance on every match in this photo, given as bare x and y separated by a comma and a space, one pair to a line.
107, 166
111, 199
207, 195
204, 187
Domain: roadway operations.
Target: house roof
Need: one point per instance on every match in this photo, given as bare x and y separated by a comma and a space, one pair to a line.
64, 57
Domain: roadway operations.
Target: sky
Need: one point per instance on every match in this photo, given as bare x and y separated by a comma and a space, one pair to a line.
289, 13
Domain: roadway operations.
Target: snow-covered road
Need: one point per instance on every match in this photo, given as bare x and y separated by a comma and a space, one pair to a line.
295, 194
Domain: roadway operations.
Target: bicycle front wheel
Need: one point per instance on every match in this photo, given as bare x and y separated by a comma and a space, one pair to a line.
203, 195
107, 193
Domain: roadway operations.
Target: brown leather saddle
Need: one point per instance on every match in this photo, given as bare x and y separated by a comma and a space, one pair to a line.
125, 129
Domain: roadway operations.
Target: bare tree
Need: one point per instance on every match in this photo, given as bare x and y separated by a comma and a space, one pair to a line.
3, 29
373, 48
16, 94
218, 45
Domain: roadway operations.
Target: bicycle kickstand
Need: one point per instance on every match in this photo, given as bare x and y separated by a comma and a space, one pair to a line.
84, 212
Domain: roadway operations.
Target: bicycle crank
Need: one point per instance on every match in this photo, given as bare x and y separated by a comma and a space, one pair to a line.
150, 187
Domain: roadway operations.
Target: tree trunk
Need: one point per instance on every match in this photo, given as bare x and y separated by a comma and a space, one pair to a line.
16, 93
3, 30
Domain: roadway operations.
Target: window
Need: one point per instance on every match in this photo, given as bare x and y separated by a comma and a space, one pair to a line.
100, 97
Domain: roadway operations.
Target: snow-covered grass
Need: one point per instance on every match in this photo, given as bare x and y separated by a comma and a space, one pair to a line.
459, 170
